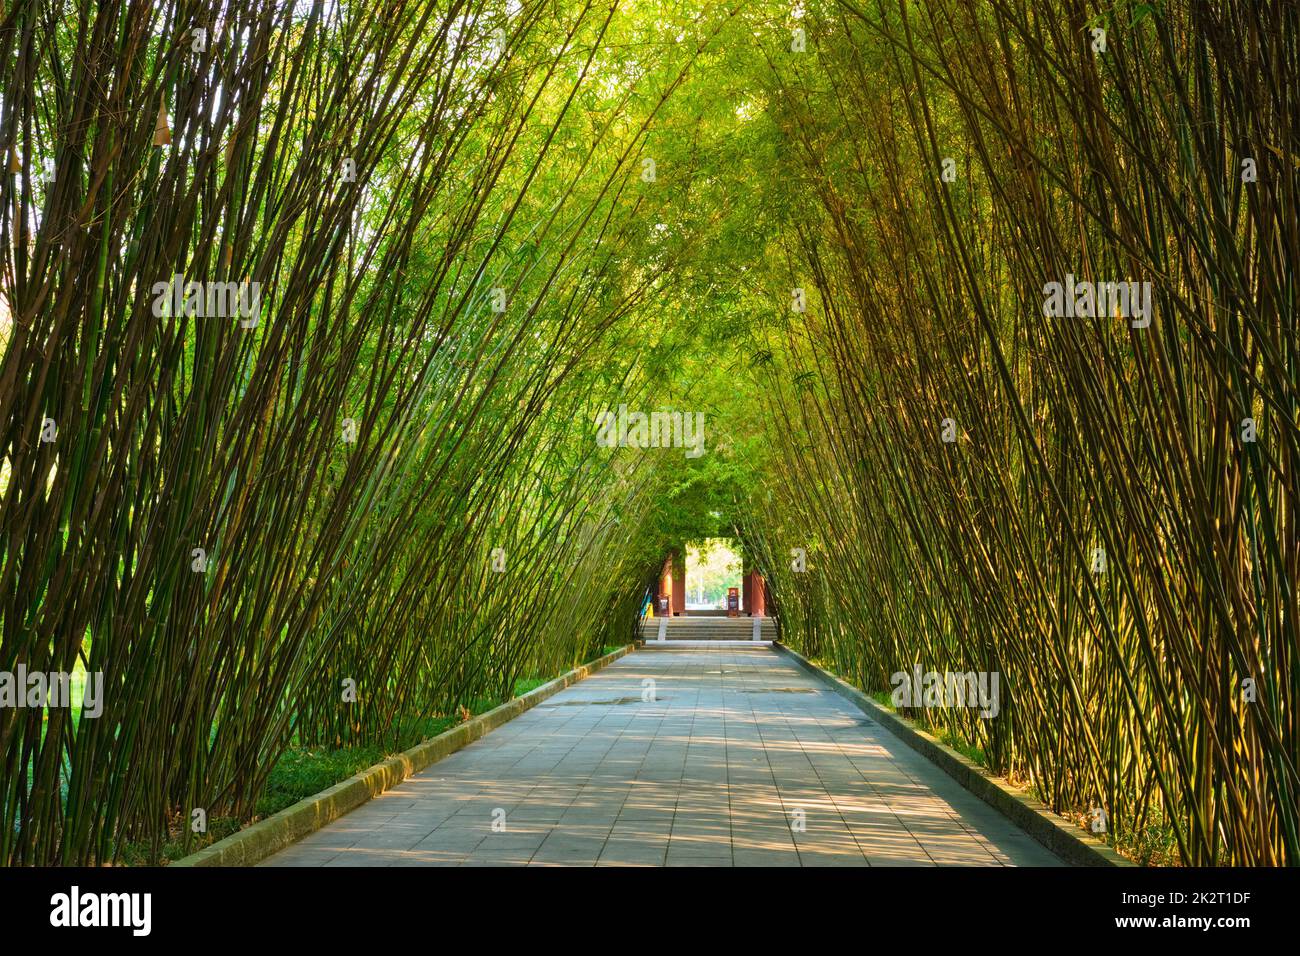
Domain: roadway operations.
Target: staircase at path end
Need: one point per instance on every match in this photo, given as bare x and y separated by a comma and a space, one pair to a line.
708, 628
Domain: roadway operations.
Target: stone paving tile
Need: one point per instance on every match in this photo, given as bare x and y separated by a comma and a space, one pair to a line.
739, 758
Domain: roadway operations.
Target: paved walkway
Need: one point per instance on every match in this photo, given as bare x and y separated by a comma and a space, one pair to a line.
742, 759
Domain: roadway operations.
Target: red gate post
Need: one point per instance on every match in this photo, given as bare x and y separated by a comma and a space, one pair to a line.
663, 607
757, 592
679, 581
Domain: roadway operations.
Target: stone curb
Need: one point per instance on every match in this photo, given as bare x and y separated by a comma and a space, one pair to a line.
255, 843
1068, 842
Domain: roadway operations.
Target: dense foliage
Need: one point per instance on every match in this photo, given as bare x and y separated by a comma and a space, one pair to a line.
477, 225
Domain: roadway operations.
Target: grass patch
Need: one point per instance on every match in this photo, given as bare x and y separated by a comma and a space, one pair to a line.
303, 771
969, 751
528, 684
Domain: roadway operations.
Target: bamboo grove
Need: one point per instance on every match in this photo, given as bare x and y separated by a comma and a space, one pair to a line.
230, 519
476, 224
1113, 528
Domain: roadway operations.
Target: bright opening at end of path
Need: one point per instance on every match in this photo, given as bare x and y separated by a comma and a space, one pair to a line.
712, 566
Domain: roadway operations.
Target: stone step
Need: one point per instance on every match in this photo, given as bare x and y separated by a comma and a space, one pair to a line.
709, 629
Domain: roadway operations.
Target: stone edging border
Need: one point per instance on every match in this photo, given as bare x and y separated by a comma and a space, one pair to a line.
257, 842
1068, 842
